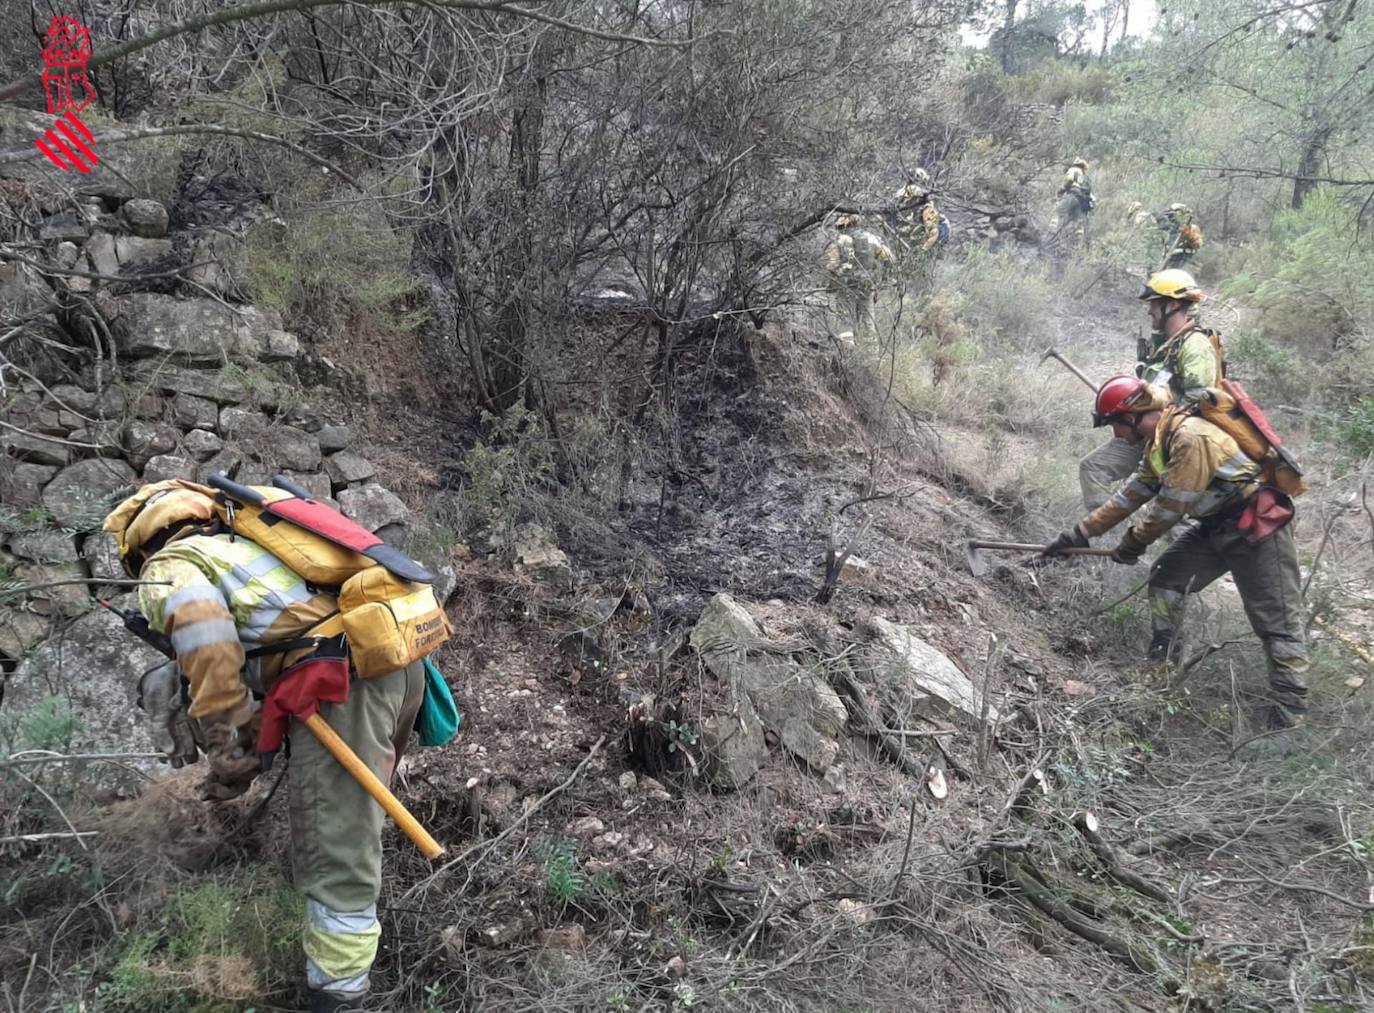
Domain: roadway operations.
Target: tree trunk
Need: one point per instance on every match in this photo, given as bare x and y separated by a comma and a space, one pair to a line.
1008, 22
1310, 164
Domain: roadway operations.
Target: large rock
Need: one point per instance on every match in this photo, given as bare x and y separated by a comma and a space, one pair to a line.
134, 251
797, 705
22, 485
275, 447
315, 483
916, 676
346, 468
34, 448
101, 253
21, 630
92, 670
733, 745
106, 403
143, 440
198, 331
201, 445
333, 438
373, 506
25, 295
44, 546
533, 551
145, 217
215, 384
55, 594
101, 555
67, 227
192, 412
165, 466
82, 494
220, 263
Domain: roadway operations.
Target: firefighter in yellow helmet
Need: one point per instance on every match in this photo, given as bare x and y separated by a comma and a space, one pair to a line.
1180, 357
857, 261
1076, 200
920, 228
1182, 235
238, 619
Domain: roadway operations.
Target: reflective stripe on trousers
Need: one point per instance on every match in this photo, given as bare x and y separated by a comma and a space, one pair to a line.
340, 947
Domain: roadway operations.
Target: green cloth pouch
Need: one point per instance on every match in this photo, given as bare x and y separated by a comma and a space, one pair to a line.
439, 716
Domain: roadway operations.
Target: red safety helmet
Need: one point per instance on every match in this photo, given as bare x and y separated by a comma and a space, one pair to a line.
1118, 397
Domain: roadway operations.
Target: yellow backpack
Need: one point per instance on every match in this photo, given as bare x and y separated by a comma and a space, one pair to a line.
389, 622
1230, 409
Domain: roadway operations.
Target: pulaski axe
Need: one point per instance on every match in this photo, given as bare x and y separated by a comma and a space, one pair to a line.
978, 565
1053, 353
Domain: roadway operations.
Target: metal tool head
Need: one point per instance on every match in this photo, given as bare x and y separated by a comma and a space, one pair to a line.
977, 562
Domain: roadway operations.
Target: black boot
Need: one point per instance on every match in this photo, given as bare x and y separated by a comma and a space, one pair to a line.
335, 1002
1164, 646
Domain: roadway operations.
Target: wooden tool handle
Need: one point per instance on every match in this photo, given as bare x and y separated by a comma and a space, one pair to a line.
1030, 547
348, 759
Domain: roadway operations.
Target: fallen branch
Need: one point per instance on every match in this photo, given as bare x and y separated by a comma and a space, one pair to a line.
21, 758
1086, 824
37, 838
1047, 903
871, 726
1303, 887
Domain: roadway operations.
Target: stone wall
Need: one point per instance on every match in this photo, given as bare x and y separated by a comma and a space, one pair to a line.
188, 382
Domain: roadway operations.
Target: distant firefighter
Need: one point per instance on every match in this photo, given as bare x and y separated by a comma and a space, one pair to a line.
1076, 200
1179, 234
857, 261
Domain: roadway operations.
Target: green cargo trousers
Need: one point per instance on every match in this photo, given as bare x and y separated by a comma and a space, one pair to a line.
1105, 468
336, 827
1270, 587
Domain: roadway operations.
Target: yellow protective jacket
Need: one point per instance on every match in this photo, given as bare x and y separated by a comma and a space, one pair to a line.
224, 594
1190, 468
1186, 363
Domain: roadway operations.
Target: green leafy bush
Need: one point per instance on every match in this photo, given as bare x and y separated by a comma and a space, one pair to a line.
216, 946
1357, 430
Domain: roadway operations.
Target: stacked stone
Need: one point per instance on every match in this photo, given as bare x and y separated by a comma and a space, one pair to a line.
202, 385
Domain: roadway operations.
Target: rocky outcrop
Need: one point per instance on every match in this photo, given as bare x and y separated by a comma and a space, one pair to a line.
793, 702
917, 676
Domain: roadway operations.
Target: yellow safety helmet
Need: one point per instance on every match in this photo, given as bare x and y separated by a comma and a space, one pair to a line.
1172, 284
137, 522
847, 221
1081, 163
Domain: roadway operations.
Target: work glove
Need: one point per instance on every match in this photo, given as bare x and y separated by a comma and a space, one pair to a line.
230, 748
1074, 538
169, 726
1129, 549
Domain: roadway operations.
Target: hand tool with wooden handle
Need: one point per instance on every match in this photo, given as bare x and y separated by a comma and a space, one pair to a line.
1054, 353
978, 566
348, 759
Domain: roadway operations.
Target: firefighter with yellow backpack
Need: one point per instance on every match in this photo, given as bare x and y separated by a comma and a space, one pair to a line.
260, 595
1181, 356
1215, 459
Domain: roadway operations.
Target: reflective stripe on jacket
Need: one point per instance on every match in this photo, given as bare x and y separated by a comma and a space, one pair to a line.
222, 593
1193, 470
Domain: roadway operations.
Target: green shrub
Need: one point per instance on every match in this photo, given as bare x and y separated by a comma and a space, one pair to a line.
1004, 298
1309, 279
1357, 430
217, 946
331, 268
50, 725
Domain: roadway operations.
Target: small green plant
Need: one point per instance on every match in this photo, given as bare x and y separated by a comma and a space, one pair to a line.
512, 459
1184, 925
1357, 429
50, 725
563, 880
1124, 614
681, 735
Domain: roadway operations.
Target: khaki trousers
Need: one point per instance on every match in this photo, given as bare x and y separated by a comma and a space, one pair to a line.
1270, 587
1105, 468
336, 827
